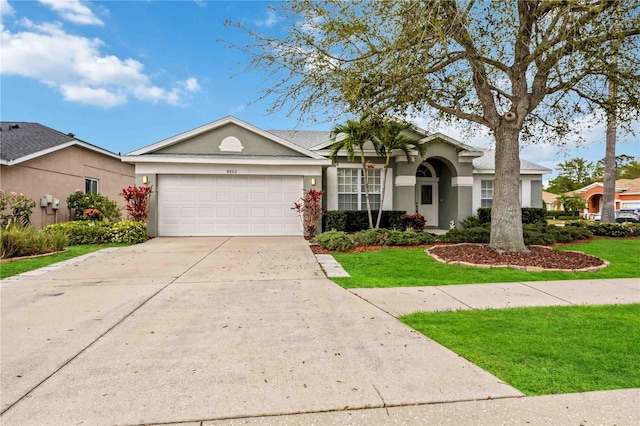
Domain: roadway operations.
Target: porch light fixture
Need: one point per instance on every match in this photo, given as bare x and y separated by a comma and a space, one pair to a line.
145, 179
313, 181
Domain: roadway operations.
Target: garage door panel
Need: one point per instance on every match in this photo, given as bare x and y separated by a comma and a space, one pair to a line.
228, 205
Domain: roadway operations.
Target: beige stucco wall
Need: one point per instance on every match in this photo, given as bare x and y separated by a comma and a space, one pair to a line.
60, 174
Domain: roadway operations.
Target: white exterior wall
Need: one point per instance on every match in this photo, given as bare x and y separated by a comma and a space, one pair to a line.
525, 189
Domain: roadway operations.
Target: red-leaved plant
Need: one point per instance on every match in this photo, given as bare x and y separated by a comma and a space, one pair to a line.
137, 198
309, 207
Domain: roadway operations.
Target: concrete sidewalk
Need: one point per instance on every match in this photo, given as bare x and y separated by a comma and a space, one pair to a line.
400, 301
243, 331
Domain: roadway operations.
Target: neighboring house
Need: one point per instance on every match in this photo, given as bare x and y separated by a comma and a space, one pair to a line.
231, 178
551, 201
41, 162
627, 196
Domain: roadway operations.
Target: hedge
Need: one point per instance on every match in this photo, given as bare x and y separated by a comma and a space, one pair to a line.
80, 232
533, 233
358, 220
529, 215
603, 229
341, 241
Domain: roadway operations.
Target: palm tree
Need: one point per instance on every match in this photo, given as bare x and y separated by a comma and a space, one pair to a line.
391, 136
355, 134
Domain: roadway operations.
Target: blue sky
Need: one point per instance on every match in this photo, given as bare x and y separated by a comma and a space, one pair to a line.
125, 74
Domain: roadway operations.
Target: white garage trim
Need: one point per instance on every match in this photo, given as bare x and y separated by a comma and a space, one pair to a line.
228, 169
221, 205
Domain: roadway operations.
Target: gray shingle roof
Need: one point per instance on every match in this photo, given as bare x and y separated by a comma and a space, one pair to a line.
304, 138
18, 139
487, 163
21, 139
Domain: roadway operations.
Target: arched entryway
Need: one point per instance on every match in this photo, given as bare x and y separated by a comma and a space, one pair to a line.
427, 193
593, 203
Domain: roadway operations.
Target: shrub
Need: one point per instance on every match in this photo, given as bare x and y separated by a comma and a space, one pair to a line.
80, 232
555, 213
370, 237
533, 215
15, 209
336, 220
79, 203
412, 221
334, 241
310, 210
470, 222
484, 214
19, 241
478, 234
137, 199
408, 238
358, 220
610, 229
129, 232
529, 215
578, 232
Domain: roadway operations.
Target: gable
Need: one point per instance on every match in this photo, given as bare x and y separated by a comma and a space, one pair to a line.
229, 139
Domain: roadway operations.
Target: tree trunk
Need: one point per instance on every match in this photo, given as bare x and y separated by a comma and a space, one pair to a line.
383, 183
608, 213
365, 178
506, 210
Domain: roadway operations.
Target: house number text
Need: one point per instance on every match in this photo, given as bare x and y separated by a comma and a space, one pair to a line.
232, 171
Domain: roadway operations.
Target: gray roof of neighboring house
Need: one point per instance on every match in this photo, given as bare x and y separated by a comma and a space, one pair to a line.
21, 139
18, 139
487, 163
305, 138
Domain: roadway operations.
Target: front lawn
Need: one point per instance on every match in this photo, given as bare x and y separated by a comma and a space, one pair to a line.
413, 267
544, 350
9, 269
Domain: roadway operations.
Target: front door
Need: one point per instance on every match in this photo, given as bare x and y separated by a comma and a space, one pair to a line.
427, 201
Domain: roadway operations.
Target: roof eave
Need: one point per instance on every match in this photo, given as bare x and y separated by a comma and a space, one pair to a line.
74, 142
208, 160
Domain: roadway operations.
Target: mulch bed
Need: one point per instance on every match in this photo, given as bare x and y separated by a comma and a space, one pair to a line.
538, 257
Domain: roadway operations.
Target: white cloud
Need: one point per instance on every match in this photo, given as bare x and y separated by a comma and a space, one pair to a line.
76, 67
89, 95
73, 11
191, 85
5, 8
201, 3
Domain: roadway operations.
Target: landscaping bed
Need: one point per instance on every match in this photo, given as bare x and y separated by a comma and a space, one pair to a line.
538, 258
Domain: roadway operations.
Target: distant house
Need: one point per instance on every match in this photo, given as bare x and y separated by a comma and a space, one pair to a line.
231, 178
627, 196
551, 201
43, 163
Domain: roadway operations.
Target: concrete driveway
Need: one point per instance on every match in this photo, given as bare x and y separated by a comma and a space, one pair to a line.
195, 329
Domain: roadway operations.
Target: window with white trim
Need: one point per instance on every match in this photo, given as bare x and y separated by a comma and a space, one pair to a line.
486, 193
90, 186
351, 193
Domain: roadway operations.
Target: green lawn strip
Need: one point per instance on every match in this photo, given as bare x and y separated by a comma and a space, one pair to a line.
413, 267
9, 269
544, 350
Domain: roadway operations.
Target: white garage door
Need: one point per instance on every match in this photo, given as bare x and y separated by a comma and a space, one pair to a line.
206, 205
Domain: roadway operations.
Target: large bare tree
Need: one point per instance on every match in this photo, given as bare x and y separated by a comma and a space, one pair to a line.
522, 69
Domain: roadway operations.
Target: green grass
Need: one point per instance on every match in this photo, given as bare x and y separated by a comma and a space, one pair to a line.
413, 267
9, 269
546, 350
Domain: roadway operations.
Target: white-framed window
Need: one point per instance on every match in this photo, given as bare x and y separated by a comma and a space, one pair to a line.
486, 193
351, 193
90, 186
